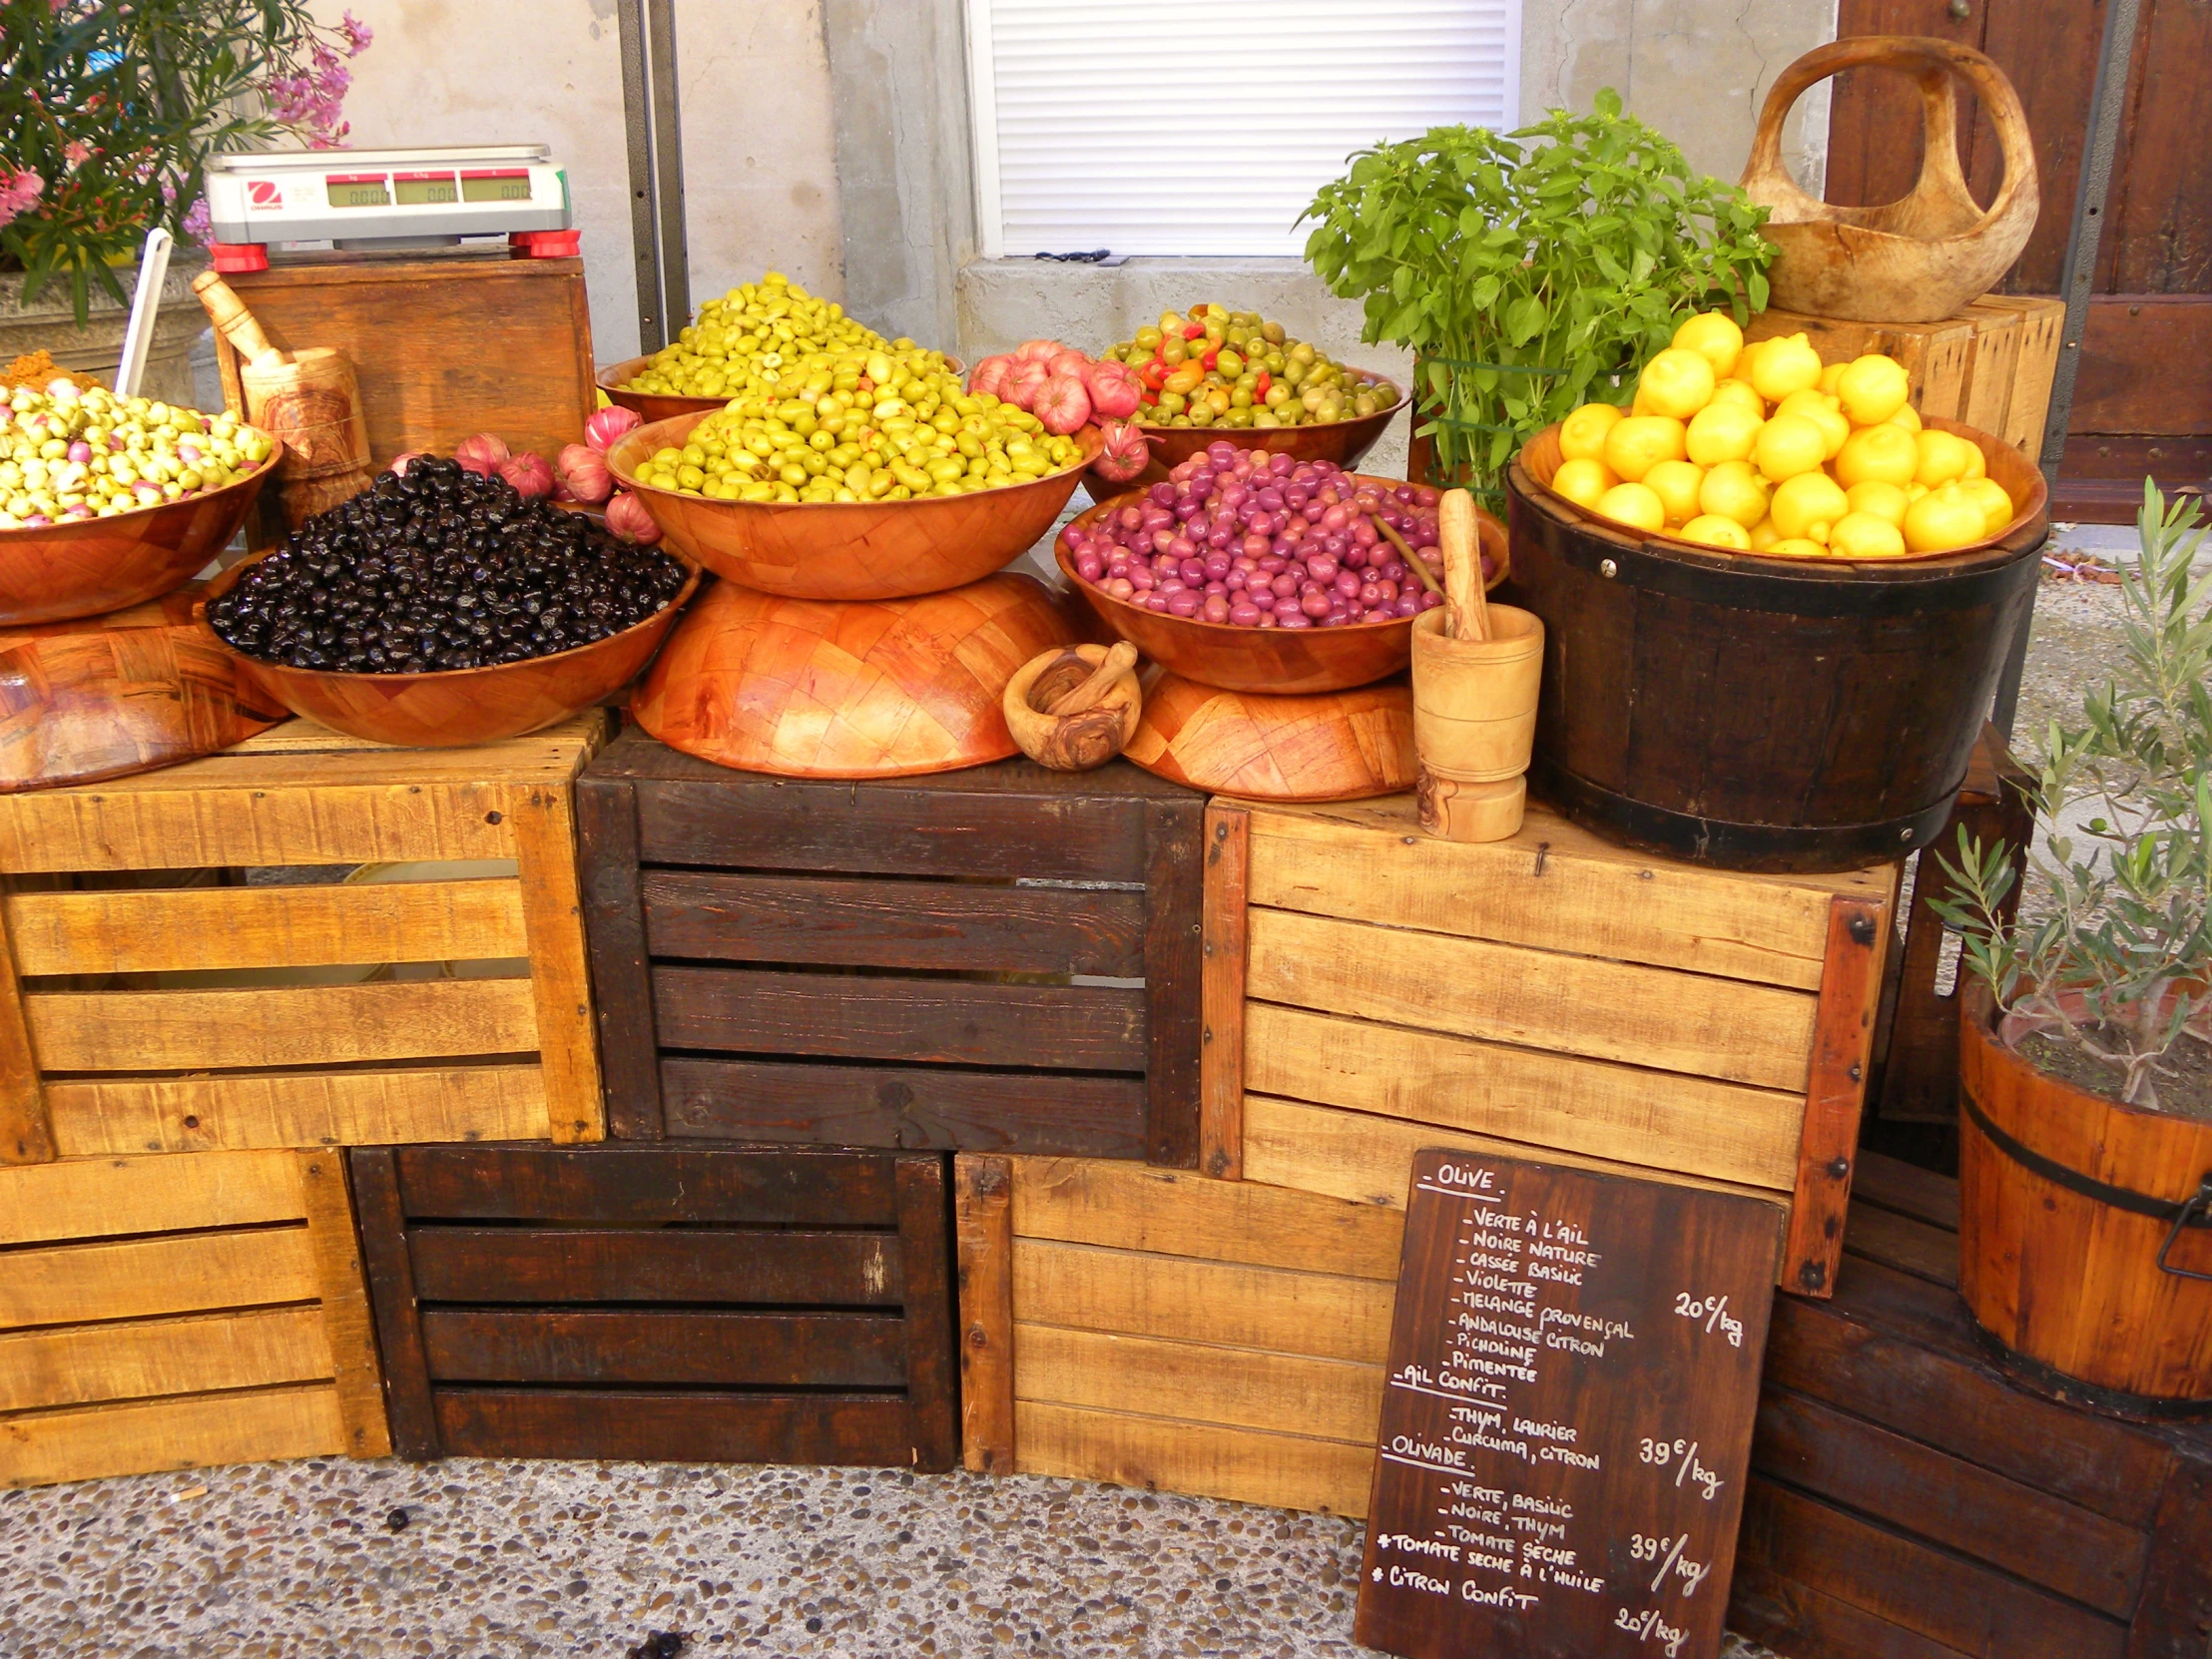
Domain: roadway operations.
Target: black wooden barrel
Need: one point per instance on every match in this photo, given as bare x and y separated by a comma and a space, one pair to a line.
1758, 713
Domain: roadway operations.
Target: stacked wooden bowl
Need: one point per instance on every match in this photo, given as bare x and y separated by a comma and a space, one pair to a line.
864, 639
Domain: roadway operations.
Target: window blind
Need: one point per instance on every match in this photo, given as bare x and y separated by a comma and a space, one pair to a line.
1203, 127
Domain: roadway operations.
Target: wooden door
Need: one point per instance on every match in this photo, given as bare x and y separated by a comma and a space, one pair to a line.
2143, 398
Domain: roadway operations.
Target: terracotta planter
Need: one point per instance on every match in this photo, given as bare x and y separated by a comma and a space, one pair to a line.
2067, 1203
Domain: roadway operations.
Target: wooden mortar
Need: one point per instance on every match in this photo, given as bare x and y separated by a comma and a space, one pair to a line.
1074, 709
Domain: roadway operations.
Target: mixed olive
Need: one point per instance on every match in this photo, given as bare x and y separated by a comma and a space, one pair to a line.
440, 568
1217, 367
757, 338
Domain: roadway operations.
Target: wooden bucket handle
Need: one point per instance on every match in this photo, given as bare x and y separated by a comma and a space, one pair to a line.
1934, 64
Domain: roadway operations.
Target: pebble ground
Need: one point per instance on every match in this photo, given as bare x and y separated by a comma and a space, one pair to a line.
520, 1560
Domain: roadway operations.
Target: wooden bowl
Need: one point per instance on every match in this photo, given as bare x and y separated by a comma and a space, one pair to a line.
108, 696
1333, 745
453, 708
1342, 441
651, 406
850, 549
57, 572
876, 689
1539, 460
1274, 661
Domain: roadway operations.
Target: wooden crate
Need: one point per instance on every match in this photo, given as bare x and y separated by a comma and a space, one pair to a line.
1153, 1328
1371, 992
153, 999
695, 1306
1990, 367
1001, 958
1908, 1503
179, 1312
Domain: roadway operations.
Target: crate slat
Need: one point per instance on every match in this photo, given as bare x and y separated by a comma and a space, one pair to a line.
153, 930
86, 1199
470, 1264
644, 1426
1245, 1465
302, 1026
1701, 1125
1268, 1309
645, 1347
144, 1277
382, 1107
192, 1432
136, 1360
1330, 1399
850, 921
651, 1189
939, 1021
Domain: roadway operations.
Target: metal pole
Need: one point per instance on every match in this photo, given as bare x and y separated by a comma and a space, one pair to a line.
659, 244
2115, 53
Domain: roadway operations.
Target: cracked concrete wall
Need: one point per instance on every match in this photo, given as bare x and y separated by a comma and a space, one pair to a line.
754, 80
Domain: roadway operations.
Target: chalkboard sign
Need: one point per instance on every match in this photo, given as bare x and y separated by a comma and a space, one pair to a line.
1574, 1369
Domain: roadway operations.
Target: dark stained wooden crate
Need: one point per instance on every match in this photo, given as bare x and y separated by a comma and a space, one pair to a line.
1906, 1501
897, 963
699, 1305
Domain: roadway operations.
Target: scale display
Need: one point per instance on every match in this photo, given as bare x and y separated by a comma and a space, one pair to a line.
369, 198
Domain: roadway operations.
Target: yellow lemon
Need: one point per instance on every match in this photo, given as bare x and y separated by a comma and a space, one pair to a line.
1582, 434
1887, 502
1731, 490
1637, 444
1739, 393
1996, 506
1633, 505
1943, 519
1977, 464
1714, 336
1746, 360
1797, 547
1786, 365
1913, 491
1884, 453
1808, 504
1823, 412
1789, 445
1675, 382
1723, 432
1831, 375
1943, 458
1676, 485
1582, 480
1872, 388
1764, 535
1712, 530
1907, 417
1864, 536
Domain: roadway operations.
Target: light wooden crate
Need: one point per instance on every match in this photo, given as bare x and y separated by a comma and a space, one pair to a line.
156, 999
1132, 1325
1371, 992
168, 1312
1990, 367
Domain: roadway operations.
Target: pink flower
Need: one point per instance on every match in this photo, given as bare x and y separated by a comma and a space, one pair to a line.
77, 152
195, 220
358, 34
18, 191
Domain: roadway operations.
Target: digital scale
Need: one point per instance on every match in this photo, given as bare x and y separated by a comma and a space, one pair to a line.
387, 200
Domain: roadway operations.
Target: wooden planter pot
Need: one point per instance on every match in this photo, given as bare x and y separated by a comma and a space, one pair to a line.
2070, 1201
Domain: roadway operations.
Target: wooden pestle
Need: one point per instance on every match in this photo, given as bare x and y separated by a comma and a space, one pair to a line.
234, 323
1467, 614
1119, 661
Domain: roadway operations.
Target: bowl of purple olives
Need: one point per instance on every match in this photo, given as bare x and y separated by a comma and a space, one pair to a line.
441, 608
1259, 572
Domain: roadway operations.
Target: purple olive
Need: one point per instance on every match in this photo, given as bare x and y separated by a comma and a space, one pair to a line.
1245, 615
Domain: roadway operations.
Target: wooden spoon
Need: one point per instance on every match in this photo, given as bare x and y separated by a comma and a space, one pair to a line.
1414, 561
1467, 607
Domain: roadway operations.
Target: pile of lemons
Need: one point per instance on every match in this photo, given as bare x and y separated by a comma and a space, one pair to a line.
1762, 448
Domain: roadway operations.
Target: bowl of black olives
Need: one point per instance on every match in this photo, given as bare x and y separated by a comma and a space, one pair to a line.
441, 608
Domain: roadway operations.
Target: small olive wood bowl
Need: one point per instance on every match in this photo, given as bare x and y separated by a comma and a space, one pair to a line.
453, 708
1276, 661
91, 566
1342, 441
1077, 742
650, 407
850, 549
1540, 459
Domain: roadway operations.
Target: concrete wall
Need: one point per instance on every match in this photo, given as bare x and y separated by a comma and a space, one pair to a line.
754, 79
